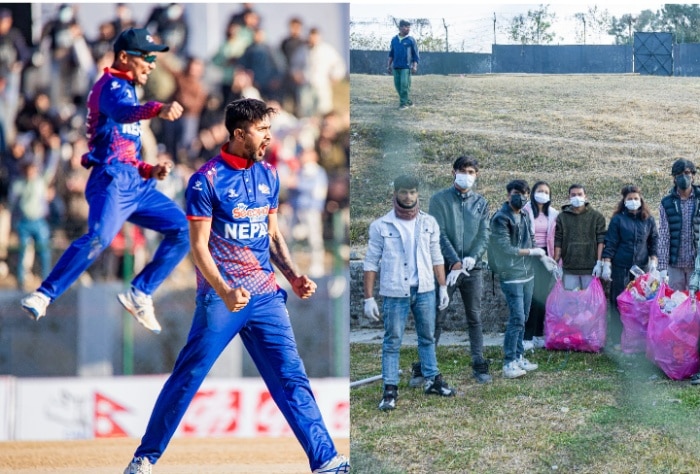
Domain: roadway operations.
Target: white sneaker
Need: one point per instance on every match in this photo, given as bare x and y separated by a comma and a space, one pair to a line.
35, 304
139, 466
525, 364
338, 465
528, 345
512, 370
140, 305
538, 342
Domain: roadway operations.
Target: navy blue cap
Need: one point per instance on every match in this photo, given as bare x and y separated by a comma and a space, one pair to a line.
137, 39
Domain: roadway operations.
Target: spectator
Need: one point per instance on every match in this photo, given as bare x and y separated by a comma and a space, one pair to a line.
29, 202
403, 61
316, 67
71, 181
289, 46
226, 58
307, 195
102, 45
123, 19
259, 58
169, 24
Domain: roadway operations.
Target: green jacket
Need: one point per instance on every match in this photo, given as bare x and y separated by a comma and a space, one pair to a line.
578, 236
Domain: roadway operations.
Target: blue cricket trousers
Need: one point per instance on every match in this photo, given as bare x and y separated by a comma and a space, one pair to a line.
116, 194
267, 334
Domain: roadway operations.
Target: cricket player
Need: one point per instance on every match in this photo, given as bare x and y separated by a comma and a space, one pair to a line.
232, 206
121, 187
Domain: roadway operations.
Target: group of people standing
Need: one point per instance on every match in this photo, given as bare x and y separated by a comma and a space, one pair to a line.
422, 258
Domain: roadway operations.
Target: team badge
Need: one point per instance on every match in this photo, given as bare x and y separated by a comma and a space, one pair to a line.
264, 188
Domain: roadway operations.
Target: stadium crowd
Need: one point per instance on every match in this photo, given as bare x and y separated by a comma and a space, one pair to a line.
43, 95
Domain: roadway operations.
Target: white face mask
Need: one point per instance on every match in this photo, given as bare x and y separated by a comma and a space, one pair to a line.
464, 180
542, 198
577, 201
633, 204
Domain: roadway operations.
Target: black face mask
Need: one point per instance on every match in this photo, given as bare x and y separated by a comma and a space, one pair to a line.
517, 201
683, 181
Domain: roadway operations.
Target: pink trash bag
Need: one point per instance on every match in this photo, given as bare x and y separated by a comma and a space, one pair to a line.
634, 315
576, 320
672, 339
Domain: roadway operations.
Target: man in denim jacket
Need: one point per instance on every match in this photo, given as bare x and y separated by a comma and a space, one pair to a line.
404, 247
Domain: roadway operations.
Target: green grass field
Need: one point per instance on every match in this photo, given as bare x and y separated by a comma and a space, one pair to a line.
579, 413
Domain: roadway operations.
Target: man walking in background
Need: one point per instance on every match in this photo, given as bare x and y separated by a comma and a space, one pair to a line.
405, 245
403, 61
122, 187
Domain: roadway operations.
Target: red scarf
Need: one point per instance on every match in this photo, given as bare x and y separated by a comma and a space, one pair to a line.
403, 213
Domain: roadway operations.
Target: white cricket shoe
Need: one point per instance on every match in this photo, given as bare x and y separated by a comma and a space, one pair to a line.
140, 305
525, 364
35, 304
139, 465
338, 465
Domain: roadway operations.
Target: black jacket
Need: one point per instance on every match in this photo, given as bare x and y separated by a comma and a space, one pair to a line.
630, 240
506, 239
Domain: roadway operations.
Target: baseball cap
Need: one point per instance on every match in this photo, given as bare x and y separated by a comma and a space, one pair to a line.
404, 23
137, 39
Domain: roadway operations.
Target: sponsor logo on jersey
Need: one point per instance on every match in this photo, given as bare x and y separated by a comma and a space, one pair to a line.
241, 211
197, 186
232, 193
115, 85
264, 188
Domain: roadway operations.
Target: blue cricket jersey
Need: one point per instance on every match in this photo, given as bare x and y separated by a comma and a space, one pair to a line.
113, 128
237, 197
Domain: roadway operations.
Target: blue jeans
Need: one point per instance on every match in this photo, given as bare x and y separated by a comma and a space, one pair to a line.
37, 229
395, 311
518, 297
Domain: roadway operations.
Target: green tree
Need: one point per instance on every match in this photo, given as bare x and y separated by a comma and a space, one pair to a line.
683, 21
591, 24
623, 28
533, 28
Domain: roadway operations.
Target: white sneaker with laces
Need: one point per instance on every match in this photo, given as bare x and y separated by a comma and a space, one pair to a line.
140, 305
512, 370
139, 465
35, 304
338, 465
528, 345
525, 364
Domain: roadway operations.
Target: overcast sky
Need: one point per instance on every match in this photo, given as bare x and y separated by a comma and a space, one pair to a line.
472, 25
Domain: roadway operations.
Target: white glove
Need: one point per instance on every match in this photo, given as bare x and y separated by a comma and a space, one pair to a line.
549, 263
598, 269
468, 263
371, 309
536, 252
606, 274
444, 299
694, 283
453, 276
653, 266
663, 276
558, 273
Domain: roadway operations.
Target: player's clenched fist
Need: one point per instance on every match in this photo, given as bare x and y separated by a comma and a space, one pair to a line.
303, 286
236, 298
172, 111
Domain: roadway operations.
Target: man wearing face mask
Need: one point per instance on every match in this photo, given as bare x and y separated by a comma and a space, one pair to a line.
463, 217
404, 248
511, 251
679, 226
578, 240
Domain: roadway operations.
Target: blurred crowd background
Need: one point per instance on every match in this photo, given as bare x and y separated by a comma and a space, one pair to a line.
44, 81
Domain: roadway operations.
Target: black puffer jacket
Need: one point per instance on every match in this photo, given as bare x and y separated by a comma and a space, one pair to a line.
630, 240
